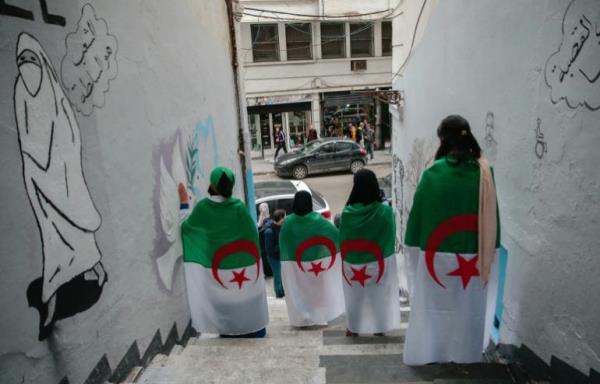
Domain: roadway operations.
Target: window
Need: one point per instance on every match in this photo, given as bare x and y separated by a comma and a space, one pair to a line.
265, 42
327, 148
333, 40
361, 39
386, 38
343, 146
298, 41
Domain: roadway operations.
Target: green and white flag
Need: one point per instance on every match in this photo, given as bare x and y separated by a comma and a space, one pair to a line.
448, 299
367, 237
225, 283
311, 269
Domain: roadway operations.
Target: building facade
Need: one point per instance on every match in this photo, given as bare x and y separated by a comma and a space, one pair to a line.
311, 64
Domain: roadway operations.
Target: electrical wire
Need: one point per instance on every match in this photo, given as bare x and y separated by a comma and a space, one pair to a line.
318, 16
412, 43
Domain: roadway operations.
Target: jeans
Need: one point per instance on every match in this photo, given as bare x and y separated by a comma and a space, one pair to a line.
279, 146
277, 284
369, 147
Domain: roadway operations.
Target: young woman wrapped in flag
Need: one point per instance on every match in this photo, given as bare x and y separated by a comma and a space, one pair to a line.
310, 265
225, 283
367, 237
451, 239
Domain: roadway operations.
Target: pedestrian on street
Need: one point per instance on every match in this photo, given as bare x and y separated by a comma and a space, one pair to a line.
312, 134
369, 137
352, 130
367, 241
272, 248
263, 219
452, 235
359, 134
310, 267
225, 286
279, 141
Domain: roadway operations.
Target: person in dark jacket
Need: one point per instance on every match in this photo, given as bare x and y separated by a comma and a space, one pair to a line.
272, 248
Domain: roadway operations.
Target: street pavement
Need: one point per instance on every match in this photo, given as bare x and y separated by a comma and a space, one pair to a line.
335, 187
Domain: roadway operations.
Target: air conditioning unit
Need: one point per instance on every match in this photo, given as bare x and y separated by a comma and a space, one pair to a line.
358, 65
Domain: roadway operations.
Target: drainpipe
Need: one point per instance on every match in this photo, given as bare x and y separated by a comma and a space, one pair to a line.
242, 115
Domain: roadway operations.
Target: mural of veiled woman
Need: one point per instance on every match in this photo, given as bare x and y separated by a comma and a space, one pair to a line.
49, 139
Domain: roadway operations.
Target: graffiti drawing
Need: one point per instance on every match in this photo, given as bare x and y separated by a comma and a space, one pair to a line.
489, 139
14, 11
190, 173
572, 72
50, 143
541, 147
169, 213
90, 62
398, 193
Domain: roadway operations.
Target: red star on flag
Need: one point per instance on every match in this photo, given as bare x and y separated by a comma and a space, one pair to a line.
239, 278
360, 275
466, 269
316, 268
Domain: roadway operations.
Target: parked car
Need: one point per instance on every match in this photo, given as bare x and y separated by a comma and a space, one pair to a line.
280, 195
322, 155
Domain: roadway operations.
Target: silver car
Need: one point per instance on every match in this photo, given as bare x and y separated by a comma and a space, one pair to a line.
280, 195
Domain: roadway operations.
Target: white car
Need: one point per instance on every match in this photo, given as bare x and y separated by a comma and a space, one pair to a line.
279, 194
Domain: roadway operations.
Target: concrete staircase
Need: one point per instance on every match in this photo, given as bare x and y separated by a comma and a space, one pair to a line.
309, 355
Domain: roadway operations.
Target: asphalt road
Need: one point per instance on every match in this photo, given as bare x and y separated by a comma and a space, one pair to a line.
335, 187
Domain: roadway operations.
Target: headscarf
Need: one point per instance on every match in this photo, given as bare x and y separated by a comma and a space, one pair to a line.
222, 181
263, 209
487, 223
302, 203
365, 189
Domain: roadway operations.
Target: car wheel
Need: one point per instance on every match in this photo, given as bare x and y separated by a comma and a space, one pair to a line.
356, 166
299, 172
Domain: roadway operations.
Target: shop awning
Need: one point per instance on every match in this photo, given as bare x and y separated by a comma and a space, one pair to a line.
275, 108
343, 100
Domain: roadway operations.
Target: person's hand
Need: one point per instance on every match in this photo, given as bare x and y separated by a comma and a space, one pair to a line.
183, 195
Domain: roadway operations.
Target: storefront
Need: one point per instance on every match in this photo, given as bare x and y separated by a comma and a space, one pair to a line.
266, 114
339, 109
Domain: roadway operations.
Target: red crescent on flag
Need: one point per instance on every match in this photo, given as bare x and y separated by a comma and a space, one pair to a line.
455, 224
363, 246
231, 248
312, 242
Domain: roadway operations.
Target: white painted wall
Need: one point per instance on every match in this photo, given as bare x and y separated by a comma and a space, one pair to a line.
174, 81
483, 56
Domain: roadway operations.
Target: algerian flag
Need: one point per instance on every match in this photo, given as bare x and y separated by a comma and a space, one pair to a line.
367, 236
448, 299
310, 269
225, 284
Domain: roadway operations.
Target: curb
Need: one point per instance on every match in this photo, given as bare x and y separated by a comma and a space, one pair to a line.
263, 173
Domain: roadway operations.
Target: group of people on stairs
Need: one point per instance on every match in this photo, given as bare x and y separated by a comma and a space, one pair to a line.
323, 271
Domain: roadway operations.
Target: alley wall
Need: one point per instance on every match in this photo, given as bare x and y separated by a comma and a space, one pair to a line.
526, 76
106, 108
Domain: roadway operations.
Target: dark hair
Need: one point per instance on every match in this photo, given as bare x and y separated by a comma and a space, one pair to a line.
456, 139
224, 188
365, 189
302, 203
278, 215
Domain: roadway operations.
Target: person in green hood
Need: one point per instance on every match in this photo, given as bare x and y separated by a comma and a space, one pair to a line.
367, 238
224, 278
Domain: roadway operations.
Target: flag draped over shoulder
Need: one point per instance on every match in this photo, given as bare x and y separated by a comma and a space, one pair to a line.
225, 285
448, 298
311, 269
367, 239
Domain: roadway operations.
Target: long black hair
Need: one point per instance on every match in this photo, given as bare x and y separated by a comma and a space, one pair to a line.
302, 203
365, 189
456, 139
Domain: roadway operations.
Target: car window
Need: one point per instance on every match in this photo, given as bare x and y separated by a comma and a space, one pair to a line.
285, 204
327, 148
343, 146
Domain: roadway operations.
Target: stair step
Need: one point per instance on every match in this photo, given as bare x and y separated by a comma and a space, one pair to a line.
263, 350
243, 361
227, 375
308, 340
